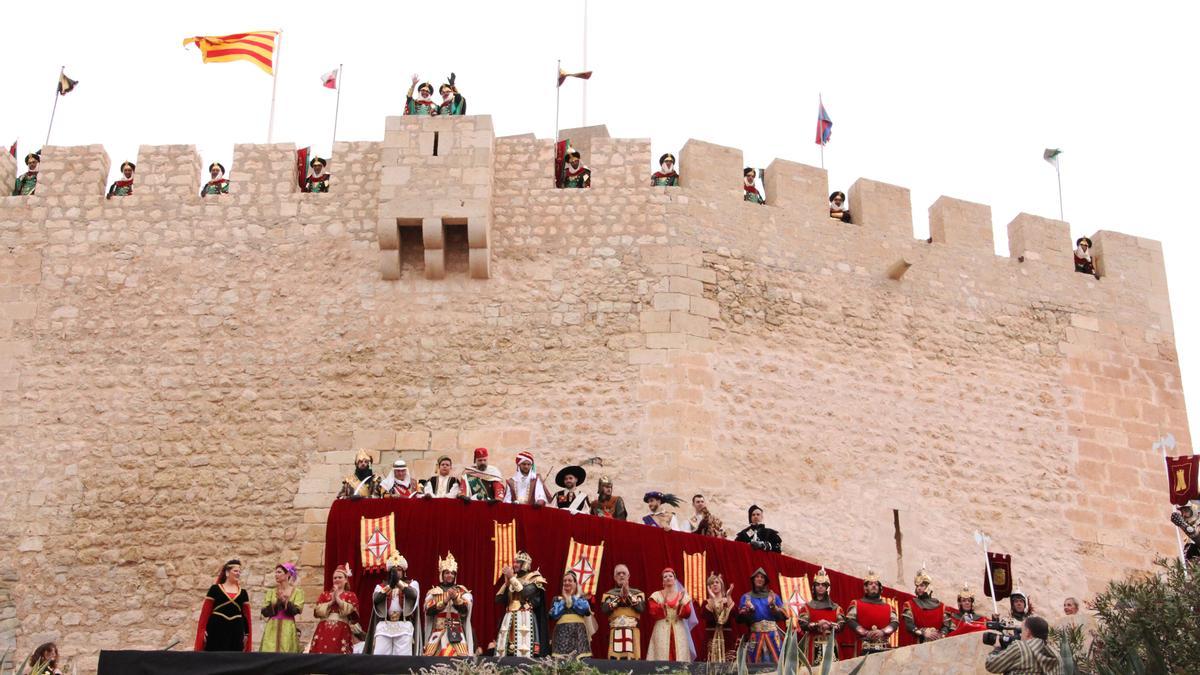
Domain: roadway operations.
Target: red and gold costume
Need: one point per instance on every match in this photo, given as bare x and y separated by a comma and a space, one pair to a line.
820, 609
925, 618
872, 613
333, 633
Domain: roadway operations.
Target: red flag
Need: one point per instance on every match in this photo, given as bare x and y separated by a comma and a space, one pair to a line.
1182, 473
302, 168
329, 80
1001, 565
563, 75
824, 124
560, 159
13, 149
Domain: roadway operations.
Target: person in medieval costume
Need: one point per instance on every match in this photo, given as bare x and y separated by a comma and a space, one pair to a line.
759, 536
399, 482
575, 624
526, 486
925, 618
363, 482
448, 614
717, 611
218, 185
703, 522
761, 609
576, 175
837, 206
337, 611
624, 606
965, 612
752, 194
27, 182
524, 630
124, 186
423, 105
660, 516
1083, 257
571, 498
872, 618
606, 504
224, 624
1187, 518
483, 481
820, 617
318, 178
674, 617
666, 172
1019, 607
453, 102
395, 619
282, 604
442, 484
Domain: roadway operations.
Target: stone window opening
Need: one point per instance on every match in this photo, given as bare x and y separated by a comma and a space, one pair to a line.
436, 135
412, 246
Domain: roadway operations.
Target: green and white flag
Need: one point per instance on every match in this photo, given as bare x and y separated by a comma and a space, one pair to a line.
1051, 155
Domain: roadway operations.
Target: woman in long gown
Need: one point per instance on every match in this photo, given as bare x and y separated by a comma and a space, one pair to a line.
573, 632
673, 614
336, 610
717, 609
224, 624
280, 608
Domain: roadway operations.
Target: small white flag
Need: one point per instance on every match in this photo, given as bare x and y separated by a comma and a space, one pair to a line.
329, 80
1050, 155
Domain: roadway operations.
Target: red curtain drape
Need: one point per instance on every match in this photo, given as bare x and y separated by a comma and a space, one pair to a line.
427, 528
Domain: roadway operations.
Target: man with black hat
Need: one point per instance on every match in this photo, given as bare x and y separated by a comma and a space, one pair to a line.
819, 617
218, 185
399, 483
568, 478
442, 484
606, 504
924, 617
1083, 257
453, 102
666, 174
759, 536
27, 182
576, 175
868, 613
483, 481
317, 180
423, 105
658, 516
123, 187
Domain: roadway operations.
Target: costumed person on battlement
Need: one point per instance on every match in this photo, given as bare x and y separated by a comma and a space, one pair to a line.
837, 206
659, 516
123, 187
453, 102
337, 611
717, 610
224, 624
282, 604
761, 609
483, 481
819, 617
703, 522
759, 536
524, 630
1019, 607
666, 172
395, 619
674, 617
752, 194
872, 618
27, 182
526, 486
448, 614
571, 497
318, 178
1187, 518
965, 613
218, 185
423, 105
399, 483
443, 484
575, 175
1083, 257
925, 618
606, 504
363, 482
575, 624
624, 606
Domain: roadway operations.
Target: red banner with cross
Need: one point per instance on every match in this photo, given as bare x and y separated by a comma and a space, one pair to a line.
584, 560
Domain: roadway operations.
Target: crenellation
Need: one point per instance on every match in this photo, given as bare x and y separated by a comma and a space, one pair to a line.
708, 168
961, 223
1036, 239
76, 173
797, 187
881, 207
168, 172
619, 162
261, 170
8, 173
583, 139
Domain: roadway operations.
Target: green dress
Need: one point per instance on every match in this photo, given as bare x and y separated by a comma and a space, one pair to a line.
668, 179
419, 107
752, 195
121, 188
279, 634
25, 184
317, 183
219, 186
457, 105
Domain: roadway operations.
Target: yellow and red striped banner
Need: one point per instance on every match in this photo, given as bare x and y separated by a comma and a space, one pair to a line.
894, 640
584, 561
377, 537
695, 574
796, 594
505, 538
257, 48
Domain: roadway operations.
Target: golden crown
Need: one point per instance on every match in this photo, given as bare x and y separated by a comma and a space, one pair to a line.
448, 563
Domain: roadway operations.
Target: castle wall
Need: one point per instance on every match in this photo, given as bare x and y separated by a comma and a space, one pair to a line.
186, 379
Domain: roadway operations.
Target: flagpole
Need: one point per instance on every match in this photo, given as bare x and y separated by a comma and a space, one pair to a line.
1058, 172
557, 97
983, 539
274, 81
585, 82
57, 88
336, 107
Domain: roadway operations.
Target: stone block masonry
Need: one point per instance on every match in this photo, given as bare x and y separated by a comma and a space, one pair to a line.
185, 380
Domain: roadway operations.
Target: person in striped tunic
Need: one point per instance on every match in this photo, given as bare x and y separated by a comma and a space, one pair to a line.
1030, 655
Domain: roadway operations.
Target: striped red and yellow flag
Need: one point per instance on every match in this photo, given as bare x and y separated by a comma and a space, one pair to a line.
584, 560
505, 538
377, 539
894, 640
695, 574
257, 48
796, 594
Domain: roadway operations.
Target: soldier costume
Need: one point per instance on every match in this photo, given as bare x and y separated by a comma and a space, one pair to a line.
423, 105
524, 629
751, 192
395, 620
666, 174
624, 607
218, 185
453, 102
318, 179
576, 175
123, 187
448, 606
819, 617
27, 182
606, 504
363, 482
872, 618
924, 617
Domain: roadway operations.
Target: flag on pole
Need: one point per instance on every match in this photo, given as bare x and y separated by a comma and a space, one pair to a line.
824, 124
1001, 565
1182, 474
65, 84
1051, 155
584, 560
695, 574
329, 80
257, 48
563, 75
504, 536
377, 537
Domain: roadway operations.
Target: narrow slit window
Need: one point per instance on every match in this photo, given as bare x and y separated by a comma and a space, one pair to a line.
435, 143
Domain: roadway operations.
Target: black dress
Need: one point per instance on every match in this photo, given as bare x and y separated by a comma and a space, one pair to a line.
225, 626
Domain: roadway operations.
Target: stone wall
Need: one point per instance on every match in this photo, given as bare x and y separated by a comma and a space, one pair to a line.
184, 380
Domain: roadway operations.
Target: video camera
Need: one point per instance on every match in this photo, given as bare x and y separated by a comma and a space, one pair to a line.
1004, 634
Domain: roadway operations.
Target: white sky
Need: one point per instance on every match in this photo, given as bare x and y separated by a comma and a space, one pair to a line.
955, 98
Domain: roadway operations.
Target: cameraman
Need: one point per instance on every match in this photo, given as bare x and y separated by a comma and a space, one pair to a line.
1028, 656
